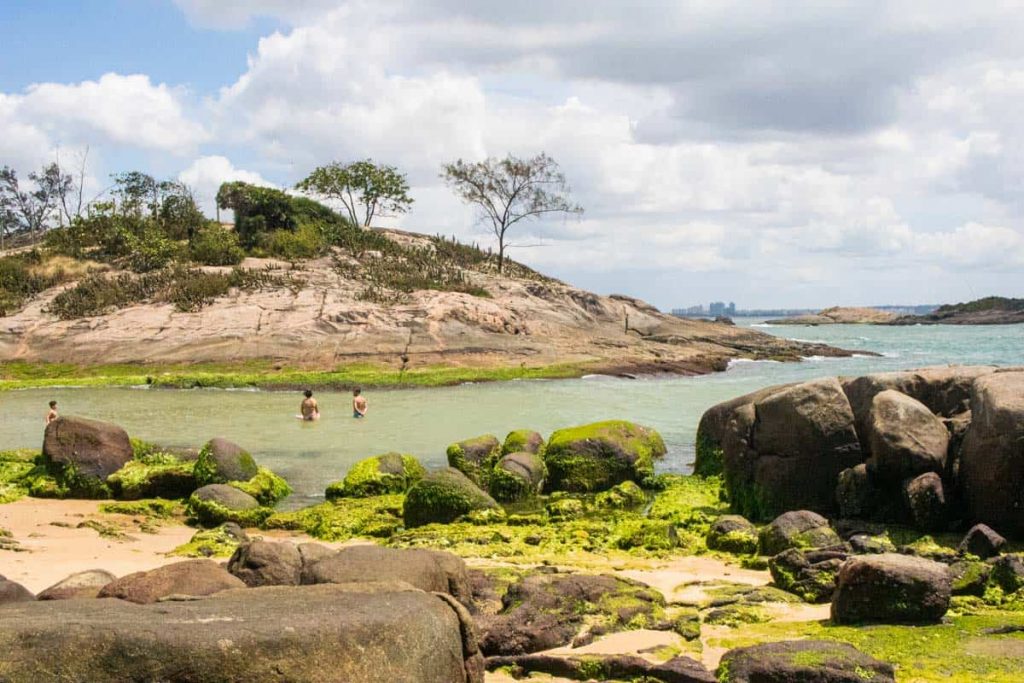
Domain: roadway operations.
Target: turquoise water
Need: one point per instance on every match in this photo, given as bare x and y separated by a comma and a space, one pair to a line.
424, 421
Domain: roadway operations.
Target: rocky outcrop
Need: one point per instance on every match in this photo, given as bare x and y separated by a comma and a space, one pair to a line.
597, 456
799, 441
840, 315
372, 633
443, 497
188, 578
475, 457
712, 428
90, 448
929, 448
80, 585
820, 661
891, 589
992, 456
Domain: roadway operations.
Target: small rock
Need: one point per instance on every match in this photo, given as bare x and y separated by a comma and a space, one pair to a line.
982, 542
926, 498
793, 661
733, 534
191, 577
85, 584
797, 529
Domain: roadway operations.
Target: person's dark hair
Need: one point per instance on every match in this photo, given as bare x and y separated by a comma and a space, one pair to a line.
357, 391
53, 404
308, 393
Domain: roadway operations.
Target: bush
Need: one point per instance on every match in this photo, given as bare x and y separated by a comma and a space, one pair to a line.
306, 242
149, 249
258, 210
20, 280
216, 246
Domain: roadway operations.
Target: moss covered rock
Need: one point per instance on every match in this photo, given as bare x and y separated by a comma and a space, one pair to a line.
85, 449
221, 461
733, 534
265, 486
821, 661
891, 589
138, 479
378, 475
810, 574
344, 518
475, 457
220, 541
797, 529
597, 456
523, 441
624, 496
517, 476
215, 504
443, 497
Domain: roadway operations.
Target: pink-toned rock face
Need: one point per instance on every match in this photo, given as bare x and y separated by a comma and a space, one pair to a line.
326, 322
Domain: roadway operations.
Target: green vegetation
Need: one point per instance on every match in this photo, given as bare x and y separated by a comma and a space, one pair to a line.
443, 496
265, 375
153, 507
157, 478
475, 457
708, 462
378, 475
988, 303
344, 518
968, 648
266, 487
216, 542
23, 276
597, 456
211, 513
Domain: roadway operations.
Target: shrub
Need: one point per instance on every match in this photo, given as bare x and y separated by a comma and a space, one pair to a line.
216, 246
305, 242
21, 279
148, 249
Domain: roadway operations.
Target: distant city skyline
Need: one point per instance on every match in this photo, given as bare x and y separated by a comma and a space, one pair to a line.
799, 152
719, 308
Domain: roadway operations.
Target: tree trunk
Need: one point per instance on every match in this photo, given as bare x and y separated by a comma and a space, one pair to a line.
501, 256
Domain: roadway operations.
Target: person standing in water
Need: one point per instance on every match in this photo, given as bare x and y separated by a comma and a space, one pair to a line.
52, 415
309, 408
358, 403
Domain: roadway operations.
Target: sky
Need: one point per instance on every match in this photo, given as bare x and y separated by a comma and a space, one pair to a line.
774, 154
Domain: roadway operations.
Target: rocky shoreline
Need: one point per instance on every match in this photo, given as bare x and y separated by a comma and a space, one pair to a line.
818, 509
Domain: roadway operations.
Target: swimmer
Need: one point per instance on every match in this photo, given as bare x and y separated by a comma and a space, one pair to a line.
52, 415
308, 408
358, 403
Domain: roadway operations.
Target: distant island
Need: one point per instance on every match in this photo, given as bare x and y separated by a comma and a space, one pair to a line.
991, 310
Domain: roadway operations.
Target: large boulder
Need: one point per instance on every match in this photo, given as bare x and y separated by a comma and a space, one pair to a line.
798, 442
372, 633
523, 441
811, 574
215, 504
598, 456
796, 529
430, 570
378, 475
856, 494
443, 496
945, 391
518, 475
475, 457
992, 456
712, 428
79, 585
925, 496
798, 661
905, 438
263, 563
891, 588
92, 449
191, 577
221, 461
138, 479
12, 591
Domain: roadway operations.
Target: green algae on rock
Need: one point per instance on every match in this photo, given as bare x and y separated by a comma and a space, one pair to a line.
595, 457
475, 458
344, 518
138, 479
523, 441
378, 475
517, 476
444, 496
622, 496
215, 504
221, 461
265, 486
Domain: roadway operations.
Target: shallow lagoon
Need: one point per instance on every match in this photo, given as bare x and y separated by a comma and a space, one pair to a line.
424, 421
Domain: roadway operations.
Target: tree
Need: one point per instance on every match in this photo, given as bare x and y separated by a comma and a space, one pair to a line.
24, 210
72, 193
362, 187
510, 190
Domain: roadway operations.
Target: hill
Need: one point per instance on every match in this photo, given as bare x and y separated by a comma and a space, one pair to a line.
991, 310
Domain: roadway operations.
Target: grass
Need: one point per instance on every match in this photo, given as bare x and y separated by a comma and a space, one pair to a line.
264, 375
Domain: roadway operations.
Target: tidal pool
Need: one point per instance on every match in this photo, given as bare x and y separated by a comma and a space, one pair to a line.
424, 421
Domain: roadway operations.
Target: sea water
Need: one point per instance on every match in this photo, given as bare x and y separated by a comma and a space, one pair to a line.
424, 421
